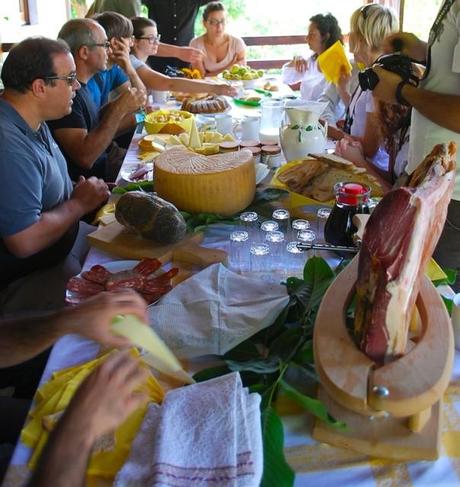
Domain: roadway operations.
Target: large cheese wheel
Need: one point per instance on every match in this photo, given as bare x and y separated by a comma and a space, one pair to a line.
222, 183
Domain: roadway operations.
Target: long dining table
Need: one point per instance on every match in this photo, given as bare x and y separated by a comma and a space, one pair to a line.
314, 463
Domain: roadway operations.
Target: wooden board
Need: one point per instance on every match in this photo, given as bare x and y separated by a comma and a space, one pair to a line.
116, 239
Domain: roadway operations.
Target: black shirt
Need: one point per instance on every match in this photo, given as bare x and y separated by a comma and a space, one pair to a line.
84, 115
175, 22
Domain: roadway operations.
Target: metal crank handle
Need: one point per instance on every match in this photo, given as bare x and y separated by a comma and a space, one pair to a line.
317, 246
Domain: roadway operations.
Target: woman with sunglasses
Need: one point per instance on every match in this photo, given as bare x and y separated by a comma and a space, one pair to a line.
221, 50
146, 40
375, 132
304, 74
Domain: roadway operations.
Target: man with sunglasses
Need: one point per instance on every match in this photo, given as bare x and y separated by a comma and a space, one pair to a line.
175, 21
40, 211
436, 108
85, 134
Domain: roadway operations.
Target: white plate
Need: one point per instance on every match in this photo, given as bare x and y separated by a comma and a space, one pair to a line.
128, 169
261, 172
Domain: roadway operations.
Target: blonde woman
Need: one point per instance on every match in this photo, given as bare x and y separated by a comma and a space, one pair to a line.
369, 26
221, 50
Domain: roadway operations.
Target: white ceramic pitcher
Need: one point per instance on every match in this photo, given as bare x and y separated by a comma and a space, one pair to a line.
304, 134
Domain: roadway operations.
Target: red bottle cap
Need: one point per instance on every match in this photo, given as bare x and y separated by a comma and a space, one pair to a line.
352, 193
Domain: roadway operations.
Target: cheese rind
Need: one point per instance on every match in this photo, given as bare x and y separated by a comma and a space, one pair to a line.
222, 183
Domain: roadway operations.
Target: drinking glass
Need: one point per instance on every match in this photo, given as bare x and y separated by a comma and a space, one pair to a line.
294, 260
321, 217
250, 223
299, 224
282, 217
259, 260
238, 250
307, 237
275, 240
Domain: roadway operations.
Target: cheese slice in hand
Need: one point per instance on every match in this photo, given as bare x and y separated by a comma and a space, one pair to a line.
158, 356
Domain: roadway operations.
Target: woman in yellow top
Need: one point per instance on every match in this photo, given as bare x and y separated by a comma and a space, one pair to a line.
221, 50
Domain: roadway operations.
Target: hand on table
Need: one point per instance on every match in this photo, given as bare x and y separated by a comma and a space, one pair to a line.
106, 398
90, 193
352, 150
93, 318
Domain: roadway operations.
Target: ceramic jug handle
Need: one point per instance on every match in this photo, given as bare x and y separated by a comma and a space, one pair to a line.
324, 128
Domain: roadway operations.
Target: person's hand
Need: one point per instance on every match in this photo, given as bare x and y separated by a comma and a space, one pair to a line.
406, 43
119, 53
90, 193
93, 318
300, 64
386, 87
131, 100
352, 150
191, 55
106, 397
224, 89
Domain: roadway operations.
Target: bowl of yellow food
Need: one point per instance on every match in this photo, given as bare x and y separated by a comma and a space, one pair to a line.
168, 122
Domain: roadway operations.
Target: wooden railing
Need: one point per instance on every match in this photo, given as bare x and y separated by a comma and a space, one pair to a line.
271, 41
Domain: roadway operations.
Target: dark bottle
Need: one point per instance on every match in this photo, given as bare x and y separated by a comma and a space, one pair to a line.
350, 199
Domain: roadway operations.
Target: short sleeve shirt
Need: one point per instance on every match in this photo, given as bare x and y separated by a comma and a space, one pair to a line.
34, 180
103, 83
85, 115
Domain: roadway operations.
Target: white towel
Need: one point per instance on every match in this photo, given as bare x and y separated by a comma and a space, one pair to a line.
205, 434
215, 310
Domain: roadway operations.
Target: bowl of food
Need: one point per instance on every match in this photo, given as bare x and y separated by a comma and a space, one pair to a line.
168, 122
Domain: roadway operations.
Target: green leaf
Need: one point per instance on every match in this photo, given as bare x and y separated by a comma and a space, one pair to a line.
305, 354
449, 304
451, 277
261, 366
317, 270
244, 351
311, 405
293, 127
286, 344
277, 472
210, 373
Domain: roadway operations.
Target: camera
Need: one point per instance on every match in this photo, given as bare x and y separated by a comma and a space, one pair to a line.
397, 63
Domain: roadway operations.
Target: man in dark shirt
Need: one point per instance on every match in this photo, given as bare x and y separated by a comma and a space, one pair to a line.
175, 22
85, 135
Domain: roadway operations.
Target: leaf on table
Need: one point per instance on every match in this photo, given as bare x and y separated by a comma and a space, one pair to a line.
211, 373
242, 352
314, 406
277, 472
261, 366
286, 344
305, 354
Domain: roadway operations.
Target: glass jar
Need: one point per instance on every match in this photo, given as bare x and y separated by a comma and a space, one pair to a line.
350, 199
272, 116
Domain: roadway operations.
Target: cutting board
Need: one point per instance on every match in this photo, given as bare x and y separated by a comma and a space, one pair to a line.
116, 239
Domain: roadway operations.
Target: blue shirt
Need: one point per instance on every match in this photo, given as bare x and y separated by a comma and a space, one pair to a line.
34, 179
102, 83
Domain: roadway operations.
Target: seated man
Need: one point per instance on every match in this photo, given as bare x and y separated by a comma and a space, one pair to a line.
102, 402
84, 135
39, 221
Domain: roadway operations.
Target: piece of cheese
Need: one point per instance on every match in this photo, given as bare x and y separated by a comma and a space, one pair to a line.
222, 183
194, 141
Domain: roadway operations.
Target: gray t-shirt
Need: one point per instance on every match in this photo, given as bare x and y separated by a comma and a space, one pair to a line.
136, 62
34, 179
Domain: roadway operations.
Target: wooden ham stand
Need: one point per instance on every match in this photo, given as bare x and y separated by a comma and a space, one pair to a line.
392, 411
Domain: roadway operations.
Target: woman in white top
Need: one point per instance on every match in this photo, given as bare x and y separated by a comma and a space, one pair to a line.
146, 40
368, 124
305, 74
221, 50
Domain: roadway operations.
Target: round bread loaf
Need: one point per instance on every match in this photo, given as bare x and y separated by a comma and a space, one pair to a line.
210, 104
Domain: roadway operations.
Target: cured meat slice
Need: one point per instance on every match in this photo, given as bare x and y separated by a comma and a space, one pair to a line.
97, 273
398, 241
83, 287
160, 281
147, 266
124, 279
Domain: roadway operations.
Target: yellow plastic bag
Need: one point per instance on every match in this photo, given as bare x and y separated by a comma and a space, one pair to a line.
333, 61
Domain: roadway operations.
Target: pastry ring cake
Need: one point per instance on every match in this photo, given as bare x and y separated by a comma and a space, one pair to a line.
210, 104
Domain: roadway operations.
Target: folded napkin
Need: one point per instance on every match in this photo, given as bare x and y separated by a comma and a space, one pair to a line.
215, 310
206, 434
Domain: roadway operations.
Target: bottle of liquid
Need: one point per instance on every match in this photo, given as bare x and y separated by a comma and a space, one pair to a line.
350, 199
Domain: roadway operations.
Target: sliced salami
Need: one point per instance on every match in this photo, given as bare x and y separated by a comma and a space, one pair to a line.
84, 287
153, 287
97, 273
124, 279
147, 266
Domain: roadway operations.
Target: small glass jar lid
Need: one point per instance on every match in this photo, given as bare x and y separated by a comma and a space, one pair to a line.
228, 146
271, 150
249, 143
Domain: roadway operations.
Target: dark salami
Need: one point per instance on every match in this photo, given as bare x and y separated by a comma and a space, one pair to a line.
147, 266
124, 279
153, 287
97, 273
83, 287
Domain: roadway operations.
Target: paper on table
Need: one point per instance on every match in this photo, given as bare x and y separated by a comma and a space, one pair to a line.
158, 355
332, 61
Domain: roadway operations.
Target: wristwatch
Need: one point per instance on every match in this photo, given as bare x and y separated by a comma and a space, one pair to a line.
398, 93
140, 117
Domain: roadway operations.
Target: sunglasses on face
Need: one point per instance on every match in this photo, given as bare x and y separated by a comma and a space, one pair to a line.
151, 39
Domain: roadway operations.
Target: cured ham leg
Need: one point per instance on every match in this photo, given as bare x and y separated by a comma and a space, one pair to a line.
398, 241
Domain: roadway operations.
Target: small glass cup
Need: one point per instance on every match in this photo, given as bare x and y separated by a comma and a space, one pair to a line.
250, 223
297, 225
282, 217
295, 260
238, 250
307, 237
259, 258
321, 217
275, 240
